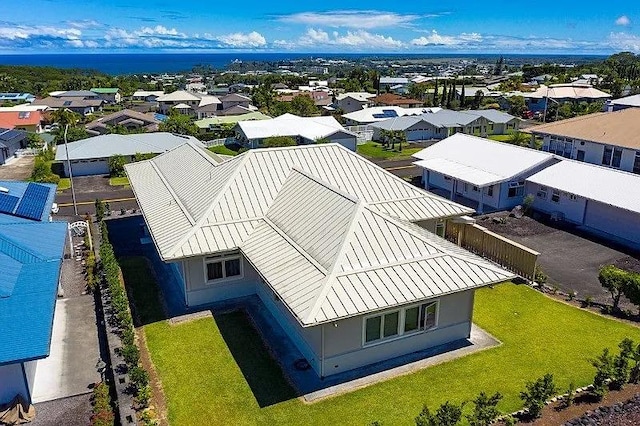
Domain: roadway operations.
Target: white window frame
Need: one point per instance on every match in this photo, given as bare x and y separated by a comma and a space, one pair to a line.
555, 193
222, 258
542, 192
401, 320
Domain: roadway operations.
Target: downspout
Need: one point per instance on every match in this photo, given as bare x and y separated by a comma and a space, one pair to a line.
322, 351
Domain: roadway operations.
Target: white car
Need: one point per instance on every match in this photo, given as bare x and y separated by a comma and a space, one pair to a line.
54, 208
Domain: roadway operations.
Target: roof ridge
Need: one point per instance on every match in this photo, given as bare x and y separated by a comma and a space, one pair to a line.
323, 183
391, 264
172, 192
195, 225
20, 248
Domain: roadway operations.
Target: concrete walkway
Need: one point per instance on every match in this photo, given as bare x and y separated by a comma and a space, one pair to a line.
70, 369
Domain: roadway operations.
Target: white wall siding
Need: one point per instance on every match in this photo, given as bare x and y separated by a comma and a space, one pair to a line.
12, 383
572, 209
614, 221
30, 372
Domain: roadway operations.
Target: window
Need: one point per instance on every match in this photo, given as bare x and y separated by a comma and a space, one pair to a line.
636, 163
606, 156
447, 178
490, 191
617, 156
465, 187
580, 155
475, 188
395, 324
516, 189
555, 196
218, 268
542, 192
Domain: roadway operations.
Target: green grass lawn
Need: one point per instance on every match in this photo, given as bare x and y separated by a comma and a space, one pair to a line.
119, 181
500, 138
65, 183
216, 371
222, 149
376, 151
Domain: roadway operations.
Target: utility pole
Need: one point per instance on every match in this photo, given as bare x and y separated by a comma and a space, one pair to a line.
73, 192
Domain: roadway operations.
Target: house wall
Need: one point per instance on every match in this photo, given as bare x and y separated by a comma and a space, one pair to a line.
573, 210
344, 139
350, 105
89, 167
12, 383
344, 348
199, 292
593, 151
621, 224
30, 374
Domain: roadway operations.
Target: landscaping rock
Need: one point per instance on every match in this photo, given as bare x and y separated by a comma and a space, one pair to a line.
623, 413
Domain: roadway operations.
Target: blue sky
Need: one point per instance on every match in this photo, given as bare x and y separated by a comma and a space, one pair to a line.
424, 26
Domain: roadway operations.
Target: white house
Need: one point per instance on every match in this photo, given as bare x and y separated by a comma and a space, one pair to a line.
189, 103
324, 238
305, 130
146, 95
353, 101
381, 113
598, 199
91, 156
607, 139
488, 173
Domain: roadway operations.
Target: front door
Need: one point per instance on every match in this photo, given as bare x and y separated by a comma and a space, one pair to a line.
580, 155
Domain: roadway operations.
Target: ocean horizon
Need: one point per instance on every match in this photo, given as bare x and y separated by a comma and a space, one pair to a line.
153, 63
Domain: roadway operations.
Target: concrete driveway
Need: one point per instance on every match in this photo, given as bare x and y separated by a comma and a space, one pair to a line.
571, 261
70, 368
17, 169
88, 189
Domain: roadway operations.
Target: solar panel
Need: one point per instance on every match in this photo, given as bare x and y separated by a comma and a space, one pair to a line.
33, 201
8, 203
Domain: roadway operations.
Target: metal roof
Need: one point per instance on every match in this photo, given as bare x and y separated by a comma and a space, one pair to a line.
30, 259
40, 195
104, 146
205, 123
613, 187
310, 128
479, 161
443, 118
196, 205
359, 261
380, 113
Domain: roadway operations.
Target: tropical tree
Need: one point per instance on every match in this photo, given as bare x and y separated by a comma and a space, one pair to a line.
612, 279
303, 106
179, 124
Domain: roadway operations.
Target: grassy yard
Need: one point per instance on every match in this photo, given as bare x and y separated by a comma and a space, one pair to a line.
375, 150
119, 181
223, 149
65, 183
500, 138
216, 370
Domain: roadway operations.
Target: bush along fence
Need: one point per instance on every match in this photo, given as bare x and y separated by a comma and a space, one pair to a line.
122, 321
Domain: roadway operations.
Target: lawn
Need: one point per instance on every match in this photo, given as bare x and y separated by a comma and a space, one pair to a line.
216, 370
119, 181
223, 149
377, 151
65, 183
500, 138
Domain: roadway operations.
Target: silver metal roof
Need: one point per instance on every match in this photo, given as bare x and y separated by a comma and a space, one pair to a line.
216, 205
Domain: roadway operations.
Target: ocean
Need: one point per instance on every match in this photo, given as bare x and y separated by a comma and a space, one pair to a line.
152, 63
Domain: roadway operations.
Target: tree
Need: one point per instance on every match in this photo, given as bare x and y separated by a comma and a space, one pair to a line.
100, 209
462, 99
622, 364
497, 70
263, 96
435, 94
477, 99
517, 105
485, 410
303, 106
443, 99
278, 141
447, 414
612, 279
631, 288
517, 138
179, 124
604, 365
536, 393
116, 165
34, 140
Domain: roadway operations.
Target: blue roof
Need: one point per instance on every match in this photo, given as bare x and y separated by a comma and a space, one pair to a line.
33, 201
30, 258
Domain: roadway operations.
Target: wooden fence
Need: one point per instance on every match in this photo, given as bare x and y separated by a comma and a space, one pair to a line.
510, 255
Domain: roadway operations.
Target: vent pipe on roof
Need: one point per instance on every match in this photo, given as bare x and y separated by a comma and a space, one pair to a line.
3, 189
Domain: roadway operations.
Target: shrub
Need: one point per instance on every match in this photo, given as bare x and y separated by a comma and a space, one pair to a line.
278, 141
130, 354
527, 203
634, 375
571, 395
447, 414
540, 276
139, 377
588, 301
622, 365
604, 372
143, 396
509, 420
484, 411
612, 279
100, 210
536, 393
116, 165
102, 411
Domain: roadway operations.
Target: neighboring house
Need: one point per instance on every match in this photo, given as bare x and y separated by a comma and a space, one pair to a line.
305, 130
324, 238
394, 84
76, 104
11, 141
196, 86
320, 98
108, 94
146, 95
353, 101
31, 253
29, 121
560, 93
391, 99
129, 119
16, 98
375, 114
189, 103
444, 123
207, 125
598, 199
77, 94
487, 172
610, 139
235, 99
91, 156
622, 103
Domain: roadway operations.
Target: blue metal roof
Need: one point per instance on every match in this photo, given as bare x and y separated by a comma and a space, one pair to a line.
34, 201
30, 258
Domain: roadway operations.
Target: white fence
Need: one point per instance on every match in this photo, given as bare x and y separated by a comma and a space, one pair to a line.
28, 152
364, 133
220, 142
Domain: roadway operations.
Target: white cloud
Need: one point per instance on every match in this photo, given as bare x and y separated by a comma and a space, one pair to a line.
84, 23
436, 39
160, 30
364, 19
623, 21
24, 32
624, 41
243, 40
361, 39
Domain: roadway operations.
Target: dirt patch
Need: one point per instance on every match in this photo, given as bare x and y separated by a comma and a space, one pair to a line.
18, 169
628, 263
504, 224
